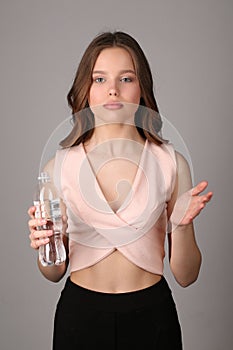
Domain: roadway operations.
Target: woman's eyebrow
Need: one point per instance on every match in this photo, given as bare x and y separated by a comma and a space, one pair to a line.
127, 71
120, 72
99, 72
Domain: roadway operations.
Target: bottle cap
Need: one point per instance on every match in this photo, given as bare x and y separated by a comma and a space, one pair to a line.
44, 176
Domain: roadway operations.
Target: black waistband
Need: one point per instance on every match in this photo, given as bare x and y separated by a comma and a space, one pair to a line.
78, 296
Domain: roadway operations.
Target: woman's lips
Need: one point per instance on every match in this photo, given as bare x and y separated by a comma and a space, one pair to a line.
113, 105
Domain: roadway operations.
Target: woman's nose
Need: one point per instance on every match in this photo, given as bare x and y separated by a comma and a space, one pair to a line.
113, 89
112, 92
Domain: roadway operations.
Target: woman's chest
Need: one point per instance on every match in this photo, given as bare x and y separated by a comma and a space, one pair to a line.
114, 179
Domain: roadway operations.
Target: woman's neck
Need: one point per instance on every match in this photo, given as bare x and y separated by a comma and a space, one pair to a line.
115, 131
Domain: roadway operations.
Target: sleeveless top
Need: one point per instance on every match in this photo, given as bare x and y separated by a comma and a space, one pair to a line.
137, 229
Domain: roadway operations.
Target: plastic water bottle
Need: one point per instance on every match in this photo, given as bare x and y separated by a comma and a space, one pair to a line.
47, 205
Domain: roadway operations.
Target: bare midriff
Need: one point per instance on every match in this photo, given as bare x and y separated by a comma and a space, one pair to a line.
114, 274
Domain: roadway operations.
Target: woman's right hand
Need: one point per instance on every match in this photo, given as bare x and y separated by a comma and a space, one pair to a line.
37, 237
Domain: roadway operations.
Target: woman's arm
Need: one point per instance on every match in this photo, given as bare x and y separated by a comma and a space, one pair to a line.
186, 203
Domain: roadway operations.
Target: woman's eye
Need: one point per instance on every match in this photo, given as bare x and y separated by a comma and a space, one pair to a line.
99, 80
126, 80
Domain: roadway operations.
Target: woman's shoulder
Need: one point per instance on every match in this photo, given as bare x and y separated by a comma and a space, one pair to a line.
49, 167
164, 150
182, 163
57, 158
184, 176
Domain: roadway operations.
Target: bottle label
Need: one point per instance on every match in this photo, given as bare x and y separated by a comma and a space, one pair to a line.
55, 208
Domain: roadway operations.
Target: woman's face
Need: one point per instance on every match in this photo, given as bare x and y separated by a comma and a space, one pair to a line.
114, 80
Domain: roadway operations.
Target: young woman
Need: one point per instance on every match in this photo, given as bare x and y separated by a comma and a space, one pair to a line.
120, 184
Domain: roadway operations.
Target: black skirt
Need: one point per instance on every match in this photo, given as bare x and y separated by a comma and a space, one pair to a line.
144, 319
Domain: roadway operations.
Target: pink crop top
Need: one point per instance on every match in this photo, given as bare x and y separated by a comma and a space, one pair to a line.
137, 229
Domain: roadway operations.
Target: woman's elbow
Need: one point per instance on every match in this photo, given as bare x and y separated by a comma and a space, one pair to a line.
188, 277
186, 282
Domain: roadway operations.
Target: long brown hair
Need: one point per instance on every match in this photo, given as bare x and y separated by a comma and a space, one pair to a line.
147, 120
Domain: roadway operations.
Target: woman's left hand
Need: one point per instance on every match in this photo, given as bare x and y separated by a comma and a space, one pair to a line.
190, 204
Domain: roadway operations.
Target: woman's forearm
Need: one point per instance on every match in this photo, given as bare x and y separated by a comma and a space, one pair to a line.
185, 256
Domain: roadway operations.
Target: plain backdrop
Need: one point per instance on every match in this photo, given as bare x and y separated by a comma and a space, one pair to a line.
190, 49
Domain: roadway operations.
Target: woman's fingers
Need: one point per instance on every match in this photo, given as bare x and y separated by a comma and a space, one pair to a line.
31, 212
36, 243
198, 202
199, 188
40, 237
41, 234
34, 223
190, 204
207, 197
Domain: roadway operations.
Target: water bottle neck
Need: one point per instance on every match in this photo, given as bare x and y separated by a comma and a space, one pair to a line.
44, 177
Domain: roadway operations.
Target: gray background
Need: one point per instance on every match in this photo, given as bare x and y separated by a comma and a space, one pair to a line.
189, 47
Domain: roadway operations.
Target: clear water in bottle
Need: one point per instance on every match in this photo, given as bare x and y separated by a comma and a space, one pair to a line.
47, 205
